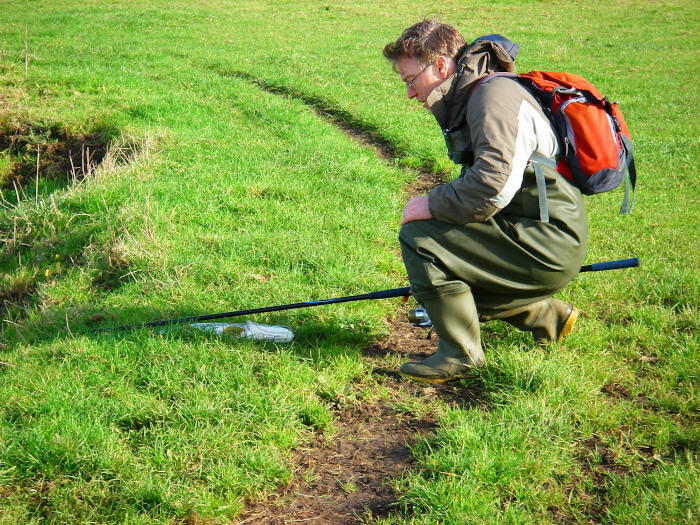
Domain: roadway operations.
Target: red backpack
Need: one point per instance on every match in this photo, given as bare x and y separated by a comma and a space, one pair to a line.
597, 150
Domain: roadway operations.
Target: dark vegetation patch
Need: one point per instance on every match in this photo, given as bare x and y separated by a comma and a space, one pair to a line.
111, 269
589, 490
616, 391
49, 154
597, 464
619, 393
15, 295
40, 497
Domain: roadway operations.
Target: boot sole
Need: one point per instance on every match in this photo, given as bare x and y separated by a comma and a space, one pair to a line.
569, 324
433, 381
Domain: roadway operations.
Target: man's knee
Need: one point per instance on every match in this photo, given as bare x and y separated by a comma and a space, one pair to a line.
409, 232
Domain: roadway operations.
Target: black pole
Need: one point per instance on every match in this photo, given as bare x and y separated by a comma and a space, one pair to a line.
611, 265
382, 294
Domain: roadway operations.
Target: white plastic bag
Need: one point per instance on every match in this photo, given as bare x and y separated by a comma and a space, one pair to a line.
248, 330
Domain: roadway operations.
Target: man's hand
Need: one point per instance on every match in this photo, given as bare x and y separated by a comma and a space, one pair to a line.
416, 210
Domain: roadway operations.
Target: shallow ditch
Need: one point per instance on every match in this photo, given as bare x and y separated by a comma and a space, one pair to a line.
350, 478
35, 162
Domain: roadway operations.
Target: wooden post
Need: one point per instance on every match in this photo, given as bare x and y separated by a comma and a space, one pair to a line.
26, 54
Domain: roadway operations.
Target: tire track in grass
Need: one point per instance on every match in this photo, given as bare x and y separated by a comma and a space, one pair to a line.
349, 477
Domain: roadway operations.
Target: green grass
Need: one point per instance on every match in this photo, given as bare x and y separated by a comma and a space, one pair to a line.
226, 188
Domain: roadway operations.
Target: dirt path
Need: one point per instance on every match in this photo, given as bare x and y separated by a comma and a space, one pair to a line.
348, 478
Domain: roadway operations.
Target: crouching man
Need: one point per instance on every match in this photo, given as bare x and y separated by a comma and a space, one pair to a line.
478, 249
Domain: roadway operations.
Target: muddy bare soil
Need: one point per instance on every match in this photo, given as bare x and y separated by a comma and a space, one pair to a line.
340, 479
349, 477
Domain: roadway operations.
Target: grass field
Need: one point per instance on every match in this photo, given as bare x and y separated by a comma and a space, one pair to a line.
167, 158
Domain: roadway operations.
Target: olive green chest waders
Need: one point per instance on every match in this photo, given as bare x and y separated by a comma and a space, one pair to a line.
505, 268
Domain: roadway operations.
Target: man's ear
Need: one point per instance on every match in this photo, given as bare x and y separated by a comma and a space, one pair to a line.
443, 66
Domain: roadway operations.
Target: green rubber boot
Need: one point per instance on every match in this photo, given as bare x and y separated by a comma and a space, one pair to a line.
548, 320
455, 321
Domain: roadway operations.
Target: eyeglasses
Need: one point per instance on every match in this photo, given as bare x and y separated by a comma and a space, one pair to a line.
410, 84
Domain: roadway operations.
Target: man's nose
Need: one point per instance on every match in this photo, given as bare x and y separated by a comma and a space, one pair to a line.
411, 93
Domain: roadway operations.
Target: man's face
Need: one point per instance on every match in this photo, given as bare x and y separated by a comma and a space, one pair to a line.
422, 79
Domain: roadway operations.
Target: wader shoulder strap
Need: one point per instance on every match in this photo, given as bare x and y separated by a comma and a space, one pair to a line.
536, 160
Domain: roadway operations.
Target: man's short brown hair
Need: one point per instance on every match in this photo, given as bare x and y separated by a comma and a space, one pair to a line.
425, 42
